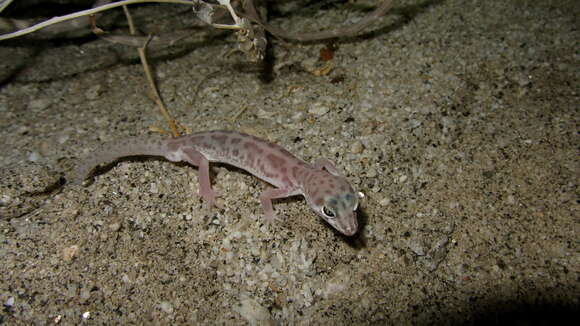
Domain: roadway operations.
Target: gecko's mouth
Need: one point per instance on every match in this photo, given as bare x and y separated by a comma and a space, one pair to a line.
347, 226
350, 232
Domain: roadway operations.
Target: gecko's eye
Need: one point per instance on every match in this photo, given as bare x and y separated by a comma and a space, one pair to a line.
328, 212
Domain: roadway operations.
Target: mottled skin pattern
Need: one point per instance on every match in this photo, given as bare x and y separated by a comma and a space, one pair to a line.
327, 192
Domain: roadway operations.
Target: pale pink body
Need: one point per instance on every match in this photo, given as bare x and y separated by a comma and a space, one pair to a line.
327, 192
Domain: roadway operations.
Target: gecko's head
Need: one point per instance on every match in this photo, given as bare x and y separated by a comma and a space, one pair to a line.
334, 199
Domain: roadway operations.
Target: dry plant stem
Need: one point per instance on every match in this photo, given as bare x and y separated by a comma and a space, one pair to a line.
155, 93
153, 87
4, 4
65, 26
132, 30
82, 13
346, 31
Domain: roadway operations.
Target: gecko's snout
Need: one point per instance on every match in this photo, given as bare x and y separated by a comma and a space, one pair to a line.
351, 227
350, 232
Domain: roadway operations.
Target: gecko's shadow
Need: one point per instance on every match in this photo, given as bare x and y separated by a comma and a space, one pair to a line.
357, 241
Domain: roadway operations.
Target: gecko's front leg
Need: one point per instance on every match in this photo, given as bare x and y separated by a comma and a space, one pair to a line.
196, 158
274, 193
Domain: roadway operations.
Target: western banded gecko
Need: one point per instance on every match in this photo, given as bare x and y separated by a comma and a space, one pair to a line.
327, 192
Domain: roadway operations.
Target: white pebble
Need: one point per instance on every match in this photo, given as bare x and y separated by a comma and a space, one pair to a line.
125, 278
94, 92
298, 116
357, 147
385, 202
371, 173
62, 139
264, 114
154, 188
115, 226
319, 109
39, 104
253, 312
166, 307
33, 157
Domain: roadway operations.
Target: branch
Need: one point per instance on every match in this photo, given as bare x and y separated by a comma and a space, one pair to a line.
82, 13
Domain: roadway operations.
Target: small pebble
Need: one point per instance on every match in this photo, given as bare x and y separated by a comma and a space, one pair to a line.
357, 147
319, 109
39, 104
115, 227
33, 157
298, 116
94, 92
253, 312
385, 202
68, 254
371, 172
166, 307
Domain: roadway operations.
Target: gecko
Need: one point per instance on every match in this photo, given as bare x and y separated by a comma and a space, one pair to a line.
325, 189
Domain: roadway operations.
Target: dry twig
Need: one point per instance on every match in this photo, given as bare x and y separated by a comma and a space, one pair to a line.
153, 87
82, 13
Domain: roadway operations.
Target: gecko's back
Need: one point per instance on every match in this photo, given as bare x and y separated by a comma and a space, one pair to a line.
266, 160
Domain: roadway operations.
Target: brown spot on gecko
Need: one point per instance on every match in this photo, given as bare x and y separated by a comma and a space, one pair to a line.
174, 144
313, 195
220, 139
251, 146
249, 159
275, 161
296, 172
286, 180
305, 174
259, 165
235, 141
195, 139
271, 175
319, 201
235, 152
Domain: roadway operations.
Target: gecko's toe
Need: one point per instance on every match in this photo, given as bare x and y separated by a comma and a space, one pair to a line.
210, 199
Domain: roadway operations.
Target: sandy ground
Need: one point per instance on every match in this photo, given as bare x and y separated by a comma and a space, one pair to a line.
457, 120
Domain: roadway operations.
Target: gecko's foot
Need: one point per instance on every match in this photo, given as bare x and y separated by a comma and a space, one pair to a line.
210, 198
271, 219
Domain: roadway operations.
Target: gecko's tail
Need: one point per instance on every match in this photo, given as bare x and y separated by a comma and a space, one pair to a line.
110, 152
